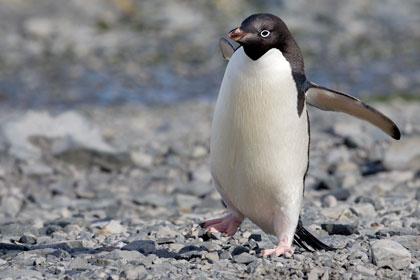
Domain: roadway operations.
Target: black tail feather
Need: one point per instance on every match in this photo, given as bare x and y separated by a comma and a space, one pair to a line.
304, 238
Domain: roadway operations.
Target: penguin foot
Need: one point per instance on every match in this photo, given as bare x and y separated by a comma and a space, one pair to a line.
282, 248
277, 251
228, 224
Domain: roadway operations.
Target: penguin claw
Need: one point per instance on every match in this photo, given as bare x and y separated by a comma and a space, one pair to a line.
277, 251
228, 225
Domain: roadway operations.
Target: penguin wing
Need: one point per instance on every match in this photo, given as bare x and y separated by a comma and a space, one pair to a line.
331, 100
226, 48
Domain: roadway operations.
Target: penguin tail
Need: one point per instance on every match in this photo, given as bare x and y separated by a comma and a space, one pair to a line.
307, 241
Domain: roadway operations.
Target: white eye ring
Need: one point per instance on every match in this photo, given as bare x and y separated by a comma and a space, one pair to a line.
265, 33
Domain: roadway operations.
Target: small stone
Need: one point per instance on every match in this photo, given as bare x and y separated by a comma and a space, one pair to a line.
288, 255
246, 234
388, 253
199, 151
364, 210
121, 254
10, 205
79, 263
212, 256
256, 237
244, 258
299, 257
400, 231
202, 174
412, 241
143, 246
166, 232
312, 275
239, 250
28, 239
36, 169
191, 251
113, 227
175, 246
141, 159
340, 194
225, 255
337, 213
329, 201
75, 229
366, 270
339, 229
358, 255
133, 272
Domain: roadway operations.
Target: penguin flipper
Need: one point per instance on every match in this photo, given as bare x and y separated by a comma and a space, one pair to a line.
331, 100
306, 240
226, 48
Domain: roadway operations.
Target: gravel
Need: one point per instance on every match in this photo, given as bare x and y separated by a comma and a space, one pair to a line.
142, 220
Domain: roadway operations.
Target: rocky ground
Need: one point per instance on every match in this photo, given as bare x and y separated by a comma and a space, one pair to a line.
118, 193
93, 188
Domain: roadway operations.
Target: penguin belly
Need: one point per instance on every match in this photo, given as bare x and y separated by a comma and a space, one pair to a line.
259, 143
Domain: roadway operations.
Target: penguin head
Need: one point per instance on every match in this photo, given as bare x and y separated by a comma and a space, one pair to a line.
261, 32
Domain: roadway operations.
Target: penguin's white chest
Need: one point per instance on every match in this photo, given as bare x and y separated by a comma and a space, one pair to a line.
259, 143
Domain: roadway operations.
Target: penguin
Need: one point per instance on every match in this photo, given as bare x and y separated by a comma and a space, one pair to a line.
259, 146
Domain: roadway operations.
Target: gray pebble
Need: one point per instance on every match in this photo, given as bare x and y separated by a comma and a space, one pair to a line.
329, 201
244, 258
388, 253
27, 239
143, 246
340, 229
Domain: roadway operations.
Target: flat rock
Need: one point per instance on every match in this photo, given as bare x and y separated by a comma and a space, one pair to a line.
36, 169
123, 254
339, 229
244, 258
79, 263
166, 232
113, 227
388, 253
364, 210
143, 246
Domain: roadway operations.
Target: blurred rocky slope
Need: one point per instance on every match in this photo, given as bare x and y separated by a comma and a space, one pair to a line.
101, 51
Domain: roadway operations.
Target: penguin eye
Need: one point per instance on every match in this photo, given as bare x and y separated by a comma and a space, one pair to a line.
265, 33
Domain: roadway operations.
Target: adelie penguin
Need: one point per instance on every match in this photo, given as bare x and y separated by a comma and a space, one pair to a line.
260, 132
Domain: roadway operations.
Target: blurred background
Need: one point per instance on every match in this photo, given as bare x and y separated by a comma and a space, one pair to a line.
71, 52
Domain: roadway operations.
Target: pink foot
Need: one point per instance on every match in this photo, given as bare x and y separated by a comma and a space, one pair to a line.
228, 224
281, 248
277, 251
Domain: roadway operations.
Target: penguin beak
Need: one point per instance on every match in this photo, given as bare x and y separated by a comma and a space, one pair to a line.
236, 34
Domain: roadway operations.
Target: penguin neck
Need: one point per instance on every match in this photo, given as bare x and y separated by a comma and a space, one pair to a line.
292, 53
288, 48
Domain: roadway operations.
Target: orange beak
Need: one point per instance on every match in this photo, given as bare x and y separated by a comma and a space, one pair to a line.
236, 34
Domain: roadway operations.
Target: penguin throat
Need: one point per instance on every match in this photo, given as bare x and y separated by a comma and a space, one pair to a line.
255, 52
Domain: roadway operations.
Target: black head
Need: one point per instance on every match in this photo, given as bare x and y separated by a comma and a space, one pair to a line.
261, 32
